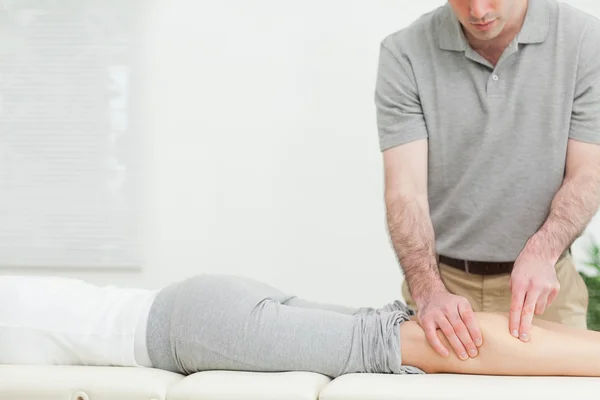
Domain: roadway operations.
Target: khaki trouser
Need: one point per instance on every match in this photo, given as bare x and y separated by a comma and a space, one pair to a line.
492, 293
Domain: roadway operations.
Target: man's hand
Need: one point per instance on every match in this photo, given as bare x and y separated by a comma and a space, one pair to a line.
454, 316
534, 287
533, 281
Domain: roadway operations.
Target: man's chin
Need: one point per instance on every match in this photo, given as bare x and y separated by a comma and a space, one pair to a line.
489, 35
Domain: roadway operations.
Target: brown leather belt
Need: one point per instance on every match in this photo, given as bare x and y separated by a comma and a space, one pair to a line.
478, 267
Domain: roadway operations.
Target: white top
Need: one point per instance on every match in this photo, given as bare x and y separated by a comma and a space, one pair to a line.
62, 321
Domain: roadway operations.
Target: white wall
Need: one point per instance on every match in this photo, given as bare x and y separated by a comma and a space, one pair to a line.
262, 150
266, 158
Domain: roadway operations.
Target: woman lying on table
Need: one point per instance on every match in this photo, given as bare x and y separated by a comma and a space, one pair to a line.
219, 322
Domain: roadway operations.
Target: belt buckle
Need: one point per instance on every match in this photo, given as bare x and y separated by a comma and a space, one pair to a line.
467, 266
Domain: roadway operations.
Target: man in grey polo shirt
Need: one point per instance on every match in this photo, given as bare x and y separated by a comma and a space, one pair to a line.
488, 116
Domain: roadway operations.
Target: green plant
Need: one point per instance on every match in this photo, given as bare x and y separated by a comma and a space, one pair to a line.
592, 281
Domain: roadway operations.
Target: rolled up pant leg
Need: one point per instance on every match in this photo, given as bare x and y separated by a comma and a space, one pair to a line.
216, 322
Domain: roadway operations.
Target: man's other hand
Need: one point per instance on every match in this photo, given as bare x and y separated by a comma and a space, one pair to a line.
534, 287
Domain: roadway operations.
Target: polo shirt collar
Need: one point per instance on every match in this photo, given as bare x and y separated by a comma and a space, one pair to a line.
534, 30
537, 22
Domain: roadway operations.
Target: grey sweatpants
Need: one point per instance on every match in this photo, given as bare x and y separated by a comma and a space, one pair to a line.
222, 322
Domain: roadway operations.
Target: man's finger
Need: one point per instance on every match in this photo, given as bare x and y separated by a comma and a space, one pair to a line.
463, 335
468, 317
527, 315
434, 340
448, 331
551, 297
542, 303
516, 308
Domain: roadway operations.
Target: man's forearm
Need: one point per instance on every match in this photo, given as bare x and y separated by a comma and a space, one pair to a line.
571, 210
413, 239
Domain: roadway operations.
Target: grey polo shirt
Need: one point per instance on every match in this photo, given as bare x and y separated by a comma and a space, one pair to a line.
497, 136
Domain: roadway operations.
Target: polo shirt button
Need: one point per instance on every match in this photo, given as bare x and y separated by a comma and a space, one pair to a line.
79, 396
495, 77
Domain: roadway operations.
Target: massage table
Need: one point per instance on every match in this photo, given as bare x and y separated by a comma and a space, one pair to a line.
117, 383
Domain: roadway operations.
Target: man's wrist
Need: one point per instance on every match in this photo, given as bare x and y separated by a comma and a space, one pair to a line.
544, 246
424, 296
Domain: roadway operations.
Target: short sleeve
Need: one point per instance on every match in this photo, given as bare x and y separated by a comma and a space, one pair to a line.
399, 114
585, 115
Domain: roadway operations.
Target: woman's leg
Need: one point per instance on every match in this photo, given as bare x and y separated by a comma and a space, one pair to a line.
554, 326
232, 323
216, 322
552, 350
